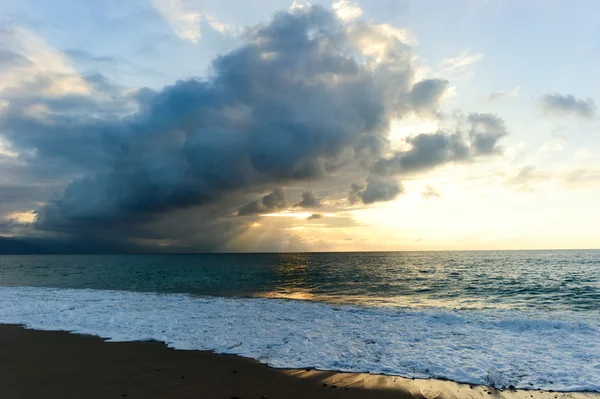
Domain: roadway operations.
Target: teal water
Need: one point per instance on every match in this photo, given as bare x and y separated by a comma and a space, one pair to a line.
544, 280
530, 319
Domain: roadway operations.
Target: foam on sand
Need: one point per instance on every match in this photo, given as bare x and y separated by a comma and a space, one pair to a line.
559, 351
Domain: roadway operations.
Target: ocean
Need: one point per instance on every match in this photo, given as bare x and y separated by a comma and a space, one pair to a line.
530, 319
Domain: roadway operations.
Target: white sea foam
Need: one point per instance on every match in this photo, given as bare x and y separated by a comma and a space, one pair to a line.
559, 351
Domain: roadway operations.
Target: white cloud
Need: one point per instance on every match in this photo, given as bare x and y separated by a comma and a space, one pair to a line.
380, 43
6, 151
184, 23
462, 60
38, 60
500, 94
553, 146
296, 5
453, 68
449, 93
185, 18
582, 178
346, 10
526, 178
401, 34
217, 25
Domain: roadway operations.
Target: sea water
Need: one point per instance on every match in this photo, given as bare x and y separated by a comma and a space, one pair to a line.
530, 319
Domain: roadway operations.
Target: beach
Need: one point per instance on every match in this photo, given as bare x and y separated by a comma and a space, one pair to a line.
57, 364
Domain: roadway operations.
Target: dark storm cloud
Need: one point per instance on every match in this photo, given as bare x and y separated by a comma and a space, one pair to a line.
25, 186
431, 150
565, 104
65, 134
286, 106
65, 143
166, 169
309, 200
21, 198
271, 202
12, 225
376, 190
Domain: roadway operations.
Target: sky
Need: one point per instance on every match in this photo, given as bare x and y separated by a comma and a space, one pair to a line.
271, 125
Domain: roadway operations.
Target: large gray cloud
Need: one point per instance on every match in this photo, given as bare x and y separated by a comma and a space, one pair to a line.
565, 104
301, 99
271, 111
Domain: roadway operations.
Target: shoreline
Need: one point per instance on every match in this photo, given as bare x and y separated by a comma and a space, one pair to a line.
59, 364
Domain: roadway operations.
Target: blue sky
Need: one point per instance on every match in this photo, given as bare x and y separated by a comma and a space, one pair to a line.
527, 66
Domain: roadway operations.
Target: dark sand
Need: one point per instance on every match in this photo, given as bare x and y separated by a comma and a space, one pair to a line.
47, 364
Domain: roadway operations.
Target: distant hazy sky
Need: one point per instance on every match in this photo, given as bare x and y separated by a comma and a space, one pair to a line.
266, 125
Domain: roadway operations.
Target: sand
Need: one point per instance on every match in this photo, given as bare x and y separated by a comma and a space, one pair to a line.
49, 364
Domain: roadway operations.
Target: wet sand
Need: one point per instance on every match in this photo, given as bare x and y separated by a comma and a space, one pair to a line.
49, 364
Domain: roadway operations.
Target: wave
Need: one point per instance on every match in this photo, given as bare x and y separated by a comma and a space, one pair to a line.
558, 351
